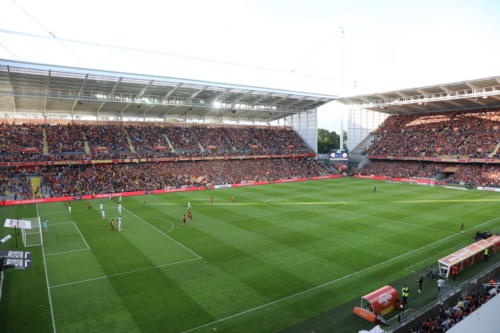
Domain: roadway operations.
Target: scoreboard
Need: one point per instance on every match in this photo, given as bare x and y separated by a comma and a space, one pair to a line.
341, 154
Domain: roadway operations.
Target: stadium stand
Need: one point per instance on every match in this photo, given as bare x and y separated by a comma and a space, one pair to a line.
442, 137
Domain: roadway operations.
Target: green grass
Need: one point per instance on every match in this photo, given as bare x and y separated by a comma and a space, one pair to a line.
292, 257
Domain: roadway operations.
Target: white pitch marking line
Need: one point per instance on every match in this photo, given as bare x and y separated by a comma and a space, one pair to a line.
157, 218
330, 282
138, 270
88, 247
199, 257
47, 280
52, 254
61, 223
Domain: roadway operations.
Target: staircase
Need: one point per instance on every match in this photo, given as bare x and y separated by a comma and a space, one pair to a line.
170, 146
356, 156
86, 144
45, 144
494, 150
131, 146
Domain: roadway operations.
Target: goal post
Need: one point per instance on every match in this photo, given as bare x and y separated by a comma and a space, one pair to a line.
33, 236
423, 181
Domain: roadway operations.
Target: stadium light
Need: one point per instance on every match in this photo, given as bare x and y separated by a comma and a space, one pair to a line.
485, 96
217, 104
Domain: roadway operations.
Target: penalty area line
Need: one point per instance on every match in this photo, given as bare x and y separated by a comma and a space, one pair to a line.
199, 257
323, 285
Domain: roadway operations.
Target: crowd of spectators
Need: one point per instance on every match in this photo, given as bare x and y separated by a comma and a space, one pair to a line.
477, 174
113, 137
67, 142
145, 138
65, 138
471, 134
213, 136
400, 169
75, 180
449, 316
180, 137
14, 137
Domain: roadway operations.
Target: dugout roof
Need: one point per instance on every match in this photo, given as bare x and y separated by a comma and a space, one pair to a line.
470, 94
40, 89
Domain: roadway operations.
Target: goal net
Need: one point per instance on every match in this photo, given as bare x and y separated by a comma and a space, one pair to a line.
423, 181
33, 236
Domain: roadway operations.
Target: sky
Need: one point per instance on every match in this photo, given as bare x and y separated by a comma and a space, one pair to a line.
385, 45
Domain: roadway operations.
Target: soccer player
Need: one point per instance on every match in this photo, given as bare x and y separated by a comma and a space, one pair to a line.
119, 208
69, 208
375, 189
120, 199
462, 229
112, 224
119, 223
211, 200
189, 205
232, 198
89, 205
44, 224
103, 215
101, 206
110, 197
190, 216
183, 219
144, 200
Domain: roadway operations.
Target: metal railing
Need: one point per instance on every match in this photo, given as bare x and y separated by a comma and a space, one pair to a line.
464, 288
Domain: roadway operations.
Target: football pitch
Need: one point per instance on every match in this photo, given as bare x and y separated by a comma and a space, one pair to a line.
280, 254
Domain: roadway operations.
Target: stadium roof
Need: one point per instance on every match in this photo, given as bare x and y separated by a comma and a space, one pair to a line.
454, 96
28, 88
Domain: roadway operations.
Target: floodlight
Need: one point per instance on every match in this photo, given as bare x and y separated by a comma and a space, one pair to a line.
485, 96
419, 103
217, 104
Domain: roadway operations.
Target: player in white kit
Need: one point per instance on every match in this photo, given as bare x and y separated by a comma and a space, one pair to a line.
119, 223
69, 208
120, 199
119, 208
103, 215
101, 206
189, 205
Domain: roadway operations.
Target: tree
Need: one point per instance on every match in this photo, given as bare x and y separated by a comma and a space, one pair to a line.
327, 140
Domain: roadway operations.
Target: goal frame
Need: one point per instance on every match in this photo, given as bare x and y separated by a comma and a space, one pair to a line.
36, 228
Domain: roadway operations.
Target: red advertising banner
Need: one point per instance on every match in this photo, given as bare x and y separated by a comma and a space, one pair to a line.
100, 148
254, 147
29, 149
291, 146
160, 148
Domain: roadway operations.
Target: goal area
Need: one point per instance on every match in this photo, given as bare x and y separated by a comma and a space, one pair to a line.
423, 181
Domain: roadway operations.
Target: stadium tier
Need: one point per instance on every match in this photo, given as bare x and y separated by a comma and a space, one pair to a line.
73, 141
451, 146
83, 159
